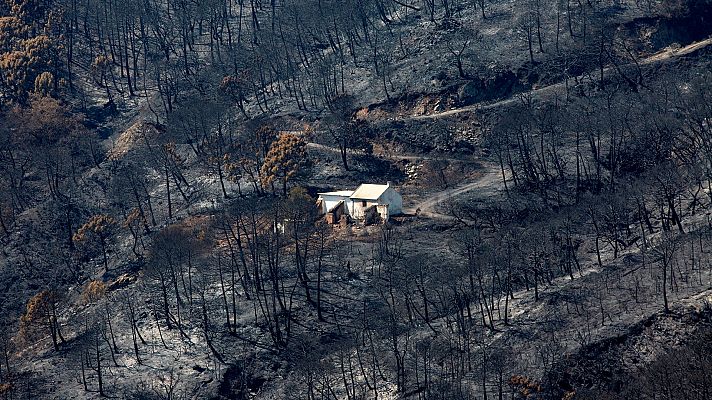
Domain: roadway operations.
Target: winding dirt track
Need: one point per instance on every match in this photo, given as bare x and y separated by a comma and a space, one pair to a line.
660, 56
489, 183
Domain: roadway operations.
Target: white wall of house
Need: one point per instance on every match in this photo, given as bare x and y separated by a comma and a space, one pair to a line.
382, 210
357, 207
394, 201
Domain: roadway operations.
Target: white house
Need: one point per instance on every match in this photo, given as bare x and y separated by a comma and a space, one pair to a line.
366, 203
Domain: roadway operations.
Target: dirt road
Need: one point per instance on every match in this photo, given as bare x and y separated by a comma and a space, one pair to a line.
489, 183
660, 56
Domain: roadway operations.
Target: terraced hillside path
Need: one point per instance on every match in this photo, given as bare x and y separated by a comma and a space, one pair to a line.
558, 88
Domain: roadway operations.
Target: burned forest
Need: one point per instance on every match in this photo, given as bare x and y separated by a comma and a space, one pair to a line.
356, 199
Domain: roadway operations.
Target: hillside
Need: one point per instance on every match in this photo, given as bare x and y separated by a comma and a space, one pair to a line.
161, 216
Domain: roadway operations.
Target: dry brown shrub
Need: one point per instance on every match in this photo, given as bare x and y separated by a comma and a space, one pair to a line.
93, 292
